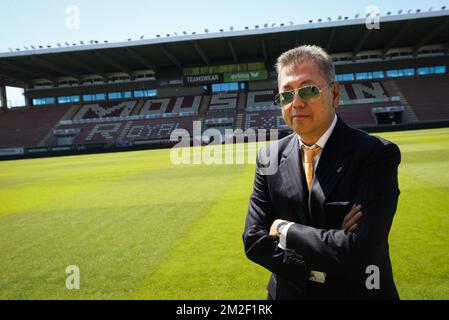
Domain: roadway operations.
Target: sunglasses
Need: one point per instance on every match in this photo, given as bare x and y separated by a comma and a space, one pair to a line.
307, 94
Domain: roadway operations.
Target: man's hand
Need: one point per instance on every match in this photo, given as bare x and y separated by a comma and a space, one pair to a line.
350, 220
274, 228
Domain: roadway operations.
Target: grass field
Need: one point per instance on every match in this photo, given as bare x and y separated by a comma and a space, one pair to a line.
138, 226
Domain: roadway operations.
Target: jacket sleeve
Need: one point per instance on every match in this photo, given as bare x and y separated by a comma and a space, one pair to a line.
341, 251
261, 249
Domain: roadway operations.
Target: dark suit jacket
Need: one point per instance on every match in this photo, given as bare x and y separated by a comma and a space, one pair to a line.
354, 167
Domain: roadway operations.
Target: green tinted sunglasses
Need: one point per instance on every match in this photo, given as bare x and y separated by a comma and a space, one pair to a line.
307, 94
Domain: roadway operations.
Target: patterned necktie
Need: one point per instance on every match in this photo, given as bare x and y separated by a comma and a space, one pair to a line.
309, 154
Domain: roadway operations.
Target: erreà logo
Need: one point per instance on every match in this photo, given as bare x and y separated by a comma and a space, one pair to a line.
240, 76
254, 74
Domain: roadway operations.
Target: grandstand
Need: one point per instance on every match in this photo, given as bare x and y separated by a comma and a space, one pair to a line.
136, 93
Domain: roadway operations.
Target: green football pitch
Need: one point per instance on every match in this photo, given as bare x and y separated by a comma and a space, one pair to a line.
140, 227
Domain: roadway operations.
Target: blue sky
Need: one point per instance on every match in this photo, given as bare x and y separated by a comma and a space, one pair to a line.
46, 22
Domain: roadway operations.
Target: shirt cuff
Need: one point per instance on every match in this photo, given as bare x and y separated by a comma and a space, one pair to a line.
283, 236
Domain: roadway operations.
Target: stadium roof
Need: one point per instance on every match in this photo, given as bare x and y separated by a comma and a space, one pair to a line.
259, 44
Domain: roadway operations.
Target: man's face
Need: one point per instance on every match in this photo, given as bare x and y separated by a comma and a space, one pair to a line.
312, 118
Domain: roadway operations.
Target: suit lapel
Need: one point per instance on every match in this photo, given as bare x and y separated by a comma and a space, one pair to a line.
332, 164
292, 182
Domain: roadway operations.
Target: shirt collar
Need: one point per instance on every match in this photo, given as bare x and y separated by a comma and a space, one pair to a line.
323, 139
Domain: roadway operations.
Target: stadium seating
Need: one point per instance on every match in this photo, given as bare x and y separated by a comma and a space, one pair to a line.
105, 110
145, 129
356, 99
223, 102
230, 115
158, 129
261, 112
360, 115
27, 127
171, 105
268, 119
259, 100
428, 97
362, 90
154, 119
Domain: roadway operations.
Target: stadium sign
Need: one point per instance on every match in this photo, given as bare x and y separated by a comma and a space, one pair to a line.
37, 150
61, 148
165, 83
91, 146
203, 79
246, 76
11, 151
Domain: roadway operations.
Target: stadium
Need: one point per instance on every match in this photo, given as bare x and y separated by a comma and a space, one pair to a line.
86, 178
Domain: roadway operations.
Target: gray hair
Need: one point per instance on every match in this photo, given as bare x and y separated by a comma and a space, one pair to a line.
298, 55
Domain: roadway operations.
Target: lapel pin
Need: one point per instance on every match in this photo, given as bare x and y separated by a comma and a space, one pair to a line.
339, 169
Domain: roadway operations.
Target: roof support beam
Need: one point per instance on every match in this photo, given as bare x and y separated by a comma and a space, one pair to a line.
52, 67
264, 51
9, 79
361, 42
201, 53
233, 52
446, 47
397, 37
297, 39
171, 57
34, 74
438, 28
84, 65
330, 39
141, 59
112, 62
4, 102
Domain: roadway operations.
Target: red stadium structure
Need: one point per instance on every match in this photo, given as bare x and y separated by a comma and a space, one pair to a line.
115, 96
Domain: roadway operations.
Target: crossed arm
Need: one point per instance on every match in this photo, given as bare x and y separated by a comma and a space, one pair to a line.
336, 250
349, 221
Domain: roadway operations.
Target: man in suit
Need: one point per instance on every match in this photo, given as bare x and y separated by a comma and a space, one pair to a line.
305, 222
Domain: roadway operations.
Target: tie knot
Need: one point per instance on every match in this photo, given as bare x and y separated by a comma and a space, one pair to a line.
310, 152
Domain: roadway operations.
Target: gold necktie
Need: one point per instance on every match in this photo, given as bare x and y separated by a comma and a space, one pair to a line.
309, 154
